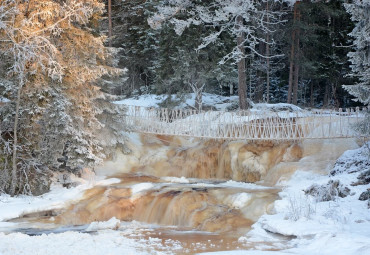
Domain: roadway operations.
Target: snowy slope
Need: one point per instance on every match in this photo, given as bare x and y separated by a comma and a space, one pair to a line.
340, 226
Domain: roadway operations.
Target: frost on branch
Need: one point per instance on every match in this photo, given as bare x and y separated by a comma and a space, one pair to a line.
221, 14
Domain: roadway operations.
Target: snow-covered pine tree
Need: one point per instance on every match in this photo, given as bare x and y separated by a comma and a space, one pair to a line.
54, 57
137, 44
180, 67
360, 58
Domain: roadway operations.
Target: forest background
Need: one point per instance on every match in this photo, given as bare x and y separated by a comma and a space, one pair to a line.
65, 61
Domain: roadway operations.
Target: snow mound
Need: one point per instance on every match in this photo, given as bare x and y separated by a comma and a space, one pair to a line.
240, 200
352, 161
175, 179
113, 223
277, 107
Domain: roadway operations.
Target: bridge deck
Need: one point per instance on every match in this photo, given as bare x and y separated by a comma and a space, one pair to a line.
245, 125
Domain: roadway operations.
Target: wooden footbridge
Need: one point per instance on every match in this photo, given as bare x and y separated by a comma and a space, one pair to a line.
245, 125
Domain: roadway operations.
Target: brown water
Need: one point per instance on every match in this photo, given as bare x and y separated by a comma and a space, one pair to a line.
202, 212
201, 204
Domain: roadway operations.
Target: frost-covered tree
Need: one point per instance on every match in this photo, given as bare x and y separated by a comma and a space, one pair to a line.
240, 19
54, 57
360, 58
137, 43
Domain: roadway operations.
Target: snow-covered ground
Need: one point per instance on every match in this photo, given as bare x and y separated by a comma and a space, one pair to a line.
151, 100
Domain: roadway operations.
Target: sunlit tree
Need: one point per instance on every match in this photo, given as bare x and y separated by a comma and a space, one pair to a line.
53, 58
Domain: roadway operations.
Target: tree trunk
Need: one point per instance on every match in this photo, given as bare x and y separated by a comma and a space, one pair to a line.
296, 63
27, 12
242, 89
292, 55
15, 141
295, 85
198, 100
334, 94
260, 78
110, 22
312, 99
326, 95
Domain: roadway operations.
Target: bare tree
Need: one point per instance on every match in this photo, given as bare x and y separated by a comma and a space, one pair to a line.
198, 90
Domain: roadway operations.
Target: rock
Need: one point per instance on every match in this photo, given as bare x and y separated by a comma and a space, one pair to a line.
352, 161
328, 192
365, 195
364, 178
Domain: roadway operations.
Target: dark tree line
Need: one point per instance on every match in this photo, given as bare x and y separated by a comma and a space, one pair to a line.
301, 59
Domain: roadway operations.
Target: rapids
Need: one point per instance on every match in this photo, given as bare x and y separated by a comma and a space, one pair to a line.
216, 188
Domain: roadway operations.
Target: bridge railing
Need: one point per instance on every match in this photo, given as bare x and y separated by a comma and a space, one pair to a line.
248, 124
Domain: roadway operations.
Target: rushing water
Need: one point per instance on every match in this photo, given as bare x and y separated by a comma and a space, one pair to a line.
198, 208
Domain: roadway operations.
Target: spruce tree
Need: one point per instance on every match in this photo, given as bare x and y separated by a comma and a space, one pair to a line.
360, 57
54, 57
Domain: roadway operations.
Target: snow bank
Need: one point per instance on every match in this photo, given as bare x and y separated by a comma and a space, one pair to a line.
341, 226
150, 100
71, 243
277, 107
113, 223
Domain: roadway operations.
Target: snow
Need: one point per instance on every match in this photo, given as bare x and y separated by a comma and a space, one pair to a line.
113, 223
277, 107
71, 243
4, 100
243, 185
150, 100
175, 179
140, 187
341, 226
240, 200
334, 227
